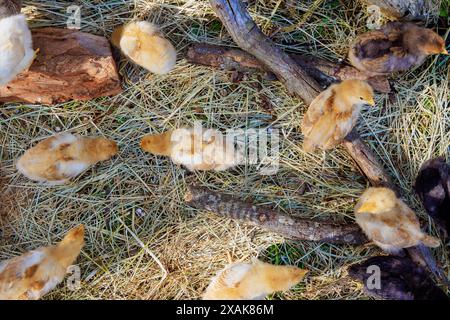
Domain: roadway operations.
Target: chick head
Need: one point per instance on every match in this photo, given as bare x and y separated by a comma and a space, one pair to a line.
429, 42
358, 92
106, 148
158, 144
281, 278
377, 200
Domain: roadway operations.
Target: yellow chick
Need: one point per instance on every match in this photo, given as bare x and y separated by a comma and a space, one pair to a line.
57, 159
252, 281
194, 149
142, 43
397, 46
333, 114
16, 46
35, 273
389, 222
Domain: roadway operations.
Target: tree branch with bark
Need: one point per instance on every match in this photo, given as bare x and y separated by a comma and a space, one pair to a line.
291, 227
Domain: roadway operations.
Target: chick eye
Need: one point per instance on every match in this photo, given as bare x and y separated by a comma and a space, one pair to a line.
361, 98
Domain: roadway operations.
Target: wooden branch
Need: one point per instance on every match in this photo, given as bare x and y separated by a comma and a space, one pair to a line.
249, 37
407, 9
70, 65
366, 161
271, 220
323, 71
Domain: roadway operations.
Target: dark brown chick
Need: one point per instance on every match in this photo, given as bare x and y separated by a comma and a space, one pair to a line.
400, 279
396, 47
433, 188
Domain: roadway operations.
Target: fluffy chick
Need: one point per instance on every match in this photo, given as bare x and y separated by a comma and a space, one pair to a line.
35, 273
433, 187
57, 159
194, 149
143, 44
252, 281
389, 222
397, 46
16, 47
333, 114
400, 279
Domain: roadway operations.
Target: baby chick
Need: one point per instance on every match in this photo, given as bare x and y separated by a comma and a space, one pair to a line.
333, 114
35, 273
433, 187
16, 47
194, 149
400, 279
59, 158
397, 46
143, 44
389, 222
252, 281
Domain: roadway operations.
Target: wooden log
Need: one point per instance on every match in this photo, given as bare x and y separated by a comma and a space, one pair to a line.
323, 71
250, 38
271, 220
70, 65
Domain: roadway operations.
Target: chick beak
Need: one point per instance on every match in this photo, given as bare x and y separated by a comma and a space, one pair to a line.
371, 103
445, 51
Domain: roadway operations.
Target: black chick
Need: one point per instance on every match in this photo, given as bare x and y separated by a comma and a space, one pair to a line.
433, 188
400, 279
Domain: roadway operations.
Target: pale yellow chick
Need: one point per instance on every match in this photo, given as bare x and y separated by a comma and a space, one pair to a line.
252, 281
16, 47
389, 222
142, 43
35, 273
59, 158
333, 114
196, 149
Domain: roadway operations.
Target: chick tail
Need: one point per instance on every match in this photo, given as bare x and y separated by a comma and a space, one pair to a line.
309, 145
158, 144
430, 241
74, 236
116, 36
70, 246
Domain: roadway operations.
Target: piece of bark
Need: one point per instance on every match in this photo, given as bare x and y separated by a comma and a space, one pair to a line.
407, 9
69, 65
250, 38
323, 71
271, 220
